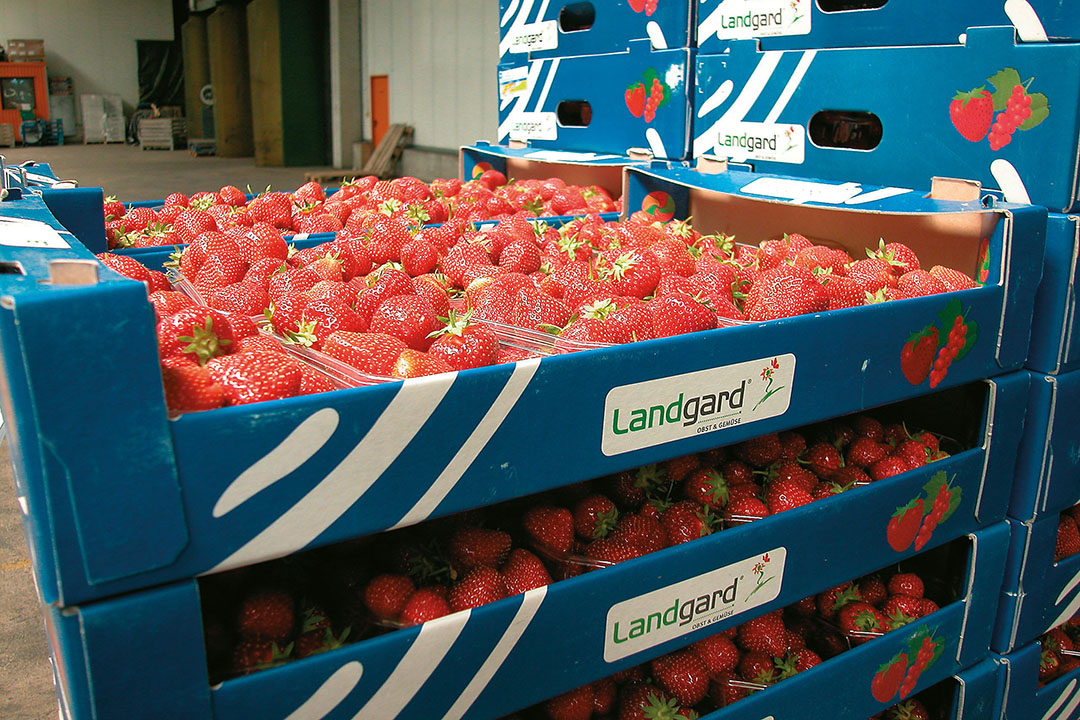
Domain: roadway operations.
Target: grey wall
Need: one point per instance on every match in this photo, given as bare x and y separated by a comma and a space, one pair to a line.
441, 57
91, 41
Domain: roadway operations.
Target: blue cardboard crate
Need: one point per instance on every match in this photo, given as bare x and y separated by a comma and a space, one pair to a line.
522, 163
112, 511
565, 27
470, 664
976, 693
1039, 594
806, 24
590, 103
1057, 700
786, 112
1055, 335
1048, 466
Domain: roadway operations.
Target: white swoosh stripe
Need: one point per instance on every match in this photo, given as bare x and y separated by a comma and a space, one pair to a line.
1010, 182
525, 614
346, 483
792, 85
330, 694
477, 441
749, 95
656, 143
521, 101
510, 10
1061, 699
1069, 586
717, 98
1026, 21
708, 27
656, 35
521, 19
296, 449
1067, 710
423, 657
547, 84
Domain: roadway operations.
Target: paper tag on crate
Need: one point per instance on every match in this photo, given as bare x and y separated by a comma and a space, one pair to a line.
18, 232
535, 36
534, 126
745, 19
513, 82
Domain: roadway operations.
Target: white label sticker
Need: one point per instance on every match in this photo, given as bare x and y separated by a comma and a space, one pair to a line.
535, 36
17, 232
802, 190
534, 126
742, 19
513, 82
659, 616
567, 156
741, 141
658, 411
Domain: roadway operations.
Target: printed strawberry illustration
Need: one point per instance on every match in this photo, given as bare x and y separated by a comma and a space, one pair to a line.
886, 681
972, 113
904, 525
962, 336
943, 499
917, 355
635, 99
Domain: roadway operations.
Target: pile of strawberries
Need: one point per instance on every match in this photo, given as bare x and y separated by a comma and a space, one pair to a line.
726, 667
1068, 534
1060, 651
352, 207
419, 573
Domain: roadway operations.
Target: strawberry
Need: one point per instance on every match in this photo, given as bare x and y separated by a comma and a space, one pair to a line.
953, 279
683, 675
464, 344
887, 467
169, 302
415, 363
423, 605
972, 113
873, 274
861, 621
594, 517
643, 532
576, 704
418, 256
612, 549
197, 333
913, 453
920, 283
386, 595
785, 291
823, 458
189, 388
251, 655
685, 521
723, 692
911, 709
255, 377
872, 590
479, 586
320, 640
766, 634
523, 571
372, 353
901, 609
786, 495
843, 292
272, 208
718, 653
906, 584
830, 601
648, 702
633, 273
917, 355
126, 266
679, 313
267, 615
241, 297
409, 317
551, 527
473, 547
864, 452
1068, 538
745, 509
706, 487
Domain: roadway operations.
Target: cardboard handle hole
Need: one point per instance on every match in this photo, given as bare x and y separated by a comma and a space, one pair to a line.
845, 5
576, 17
845, 129
11, 268
574, 113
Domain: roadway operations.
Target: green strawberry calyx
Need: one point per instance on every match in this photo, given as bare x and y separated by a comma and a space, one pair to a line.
976, 94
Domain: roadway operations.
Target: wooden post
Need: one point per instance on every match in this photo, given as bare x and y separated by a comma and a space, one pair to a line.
196, 71
227, 35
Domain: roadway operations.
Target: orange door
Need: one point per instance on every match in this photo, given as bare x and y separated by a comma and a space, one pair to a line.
380, 108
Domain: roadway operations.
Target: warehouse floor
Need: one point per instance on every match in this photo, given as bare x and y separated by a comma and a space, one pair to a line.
26, 688
130, 173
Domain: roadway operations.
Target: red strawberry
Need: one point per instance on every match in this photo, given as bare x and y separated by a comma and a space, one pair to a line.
197, 333
683, 675
886, 681
685, 521
912, 452
906, 584
190, 388
523, 571
479, 586
255, 377
904, 525
414, 363
633, 273
953, 279
473, 547
1068, 538
864, 452
644, 532
920, 283
872, 590
745, 509
267, 615
679, 313
786, 495
552, 527
823, 458
901, 609
169, 302
464, 344
972, 113
594, 517
409, 317
320, 640
887, 467
861, 621
251, 655
386, 595
830, 601
785, 291
612, 549
759, 451
908, 710
718, 653
706, 487
766, 633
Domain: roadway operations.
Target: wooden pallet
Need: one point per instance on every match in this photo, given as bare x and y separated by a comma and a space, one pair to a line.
381, 163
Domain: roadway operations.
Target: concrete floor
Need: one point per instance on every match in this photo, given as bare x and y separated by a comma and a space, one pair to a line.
130, 173
26, 687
